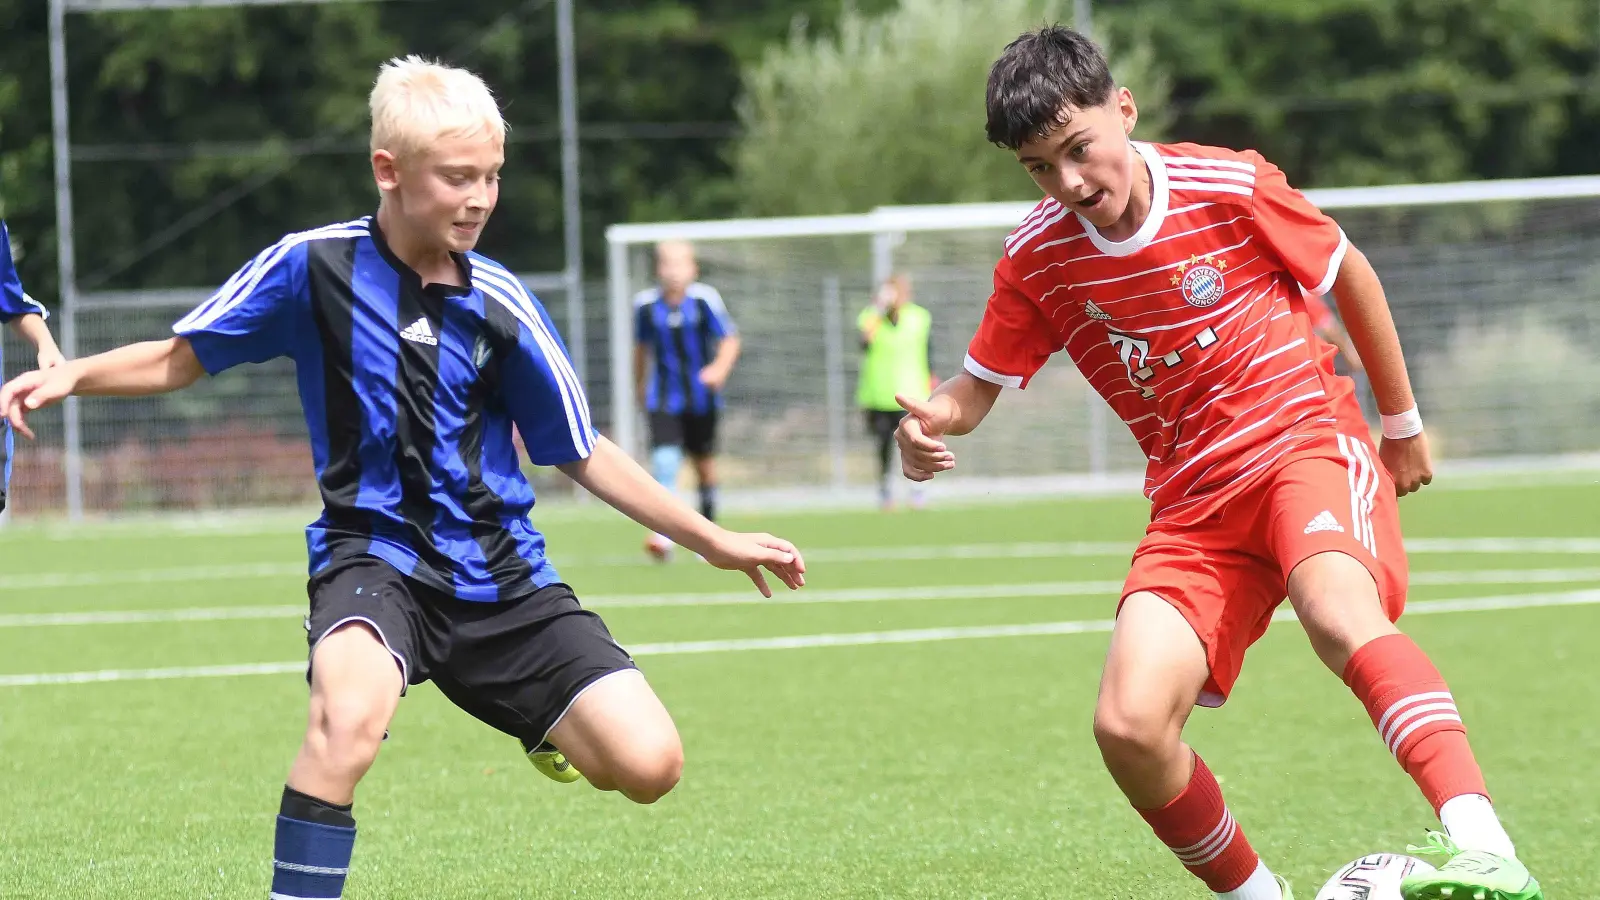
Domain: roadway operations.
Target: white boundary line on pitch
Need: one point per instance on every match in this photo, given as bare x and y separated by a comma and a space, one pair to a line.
798, 642
1019, 590
1025, 550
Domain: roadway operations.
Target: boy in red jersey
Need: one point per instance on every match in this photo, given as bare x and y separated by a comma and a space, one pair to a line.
1173, 277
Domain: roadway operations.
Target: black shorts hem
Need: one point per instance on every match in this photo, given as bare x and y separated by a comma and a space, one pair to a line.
515, 665
405, 667
581, 689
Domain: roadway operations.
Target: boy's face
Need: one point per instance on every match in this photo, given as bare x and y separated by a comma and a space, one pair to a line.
1086, 163
675, 266
447, 192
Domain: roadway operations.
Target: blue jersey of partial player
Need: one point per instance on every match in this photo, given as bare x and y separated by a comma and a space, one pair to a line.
410, 395
682, 339
14, 302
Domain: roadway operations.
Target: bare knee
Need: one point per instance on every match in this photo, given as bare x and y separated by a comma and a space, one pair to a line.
345, 732
646, 774
1129, 733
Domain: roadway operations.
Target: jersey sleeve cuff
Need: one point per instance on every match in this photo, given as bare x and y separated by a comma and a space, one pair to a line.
1334, 262
979, 370
212, 355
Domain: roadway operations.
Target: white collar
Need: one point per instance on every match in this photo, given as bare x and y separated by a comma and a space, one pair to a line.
1152, 219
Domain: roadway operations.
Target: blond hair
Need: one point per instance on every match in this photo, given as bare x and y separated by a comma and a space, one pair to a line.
417, 101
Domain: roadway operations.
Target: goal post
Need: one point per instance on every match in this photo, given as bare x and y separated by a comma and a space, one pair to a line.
1495, 287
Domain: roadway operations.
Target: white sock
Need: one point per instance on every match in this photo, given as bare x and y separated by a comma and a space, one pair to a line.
1471, 822
1259, 886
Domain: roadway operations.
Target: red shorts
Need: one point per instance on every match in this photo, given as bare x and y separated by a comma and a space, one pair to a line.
1228, 572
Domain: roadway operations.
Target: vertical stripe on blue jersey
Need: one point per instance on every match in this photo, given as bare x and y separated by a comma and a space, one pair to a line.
415, 382
458, 402
329, 271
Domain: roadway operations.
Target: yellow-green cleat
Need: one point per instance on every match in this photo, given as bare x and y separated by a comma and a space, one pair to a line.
1283, 885
1469, 875
548, 760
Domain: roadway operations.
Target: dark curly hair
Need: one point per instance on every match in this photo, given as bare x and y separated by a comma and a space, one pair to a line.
1038, 78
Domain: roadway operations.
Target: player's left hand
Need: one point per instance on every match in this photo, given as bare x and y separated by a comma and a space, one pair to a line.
50, 357
750, 553
713, 377
1408, 461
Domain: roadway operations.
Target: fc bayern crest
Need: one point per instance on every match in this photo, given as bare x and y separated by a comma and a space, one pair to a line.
1201, 280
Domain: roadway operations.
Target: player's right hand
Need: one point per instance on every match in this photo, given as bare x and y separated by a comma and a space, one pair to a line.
34, 390
750, 553
922, 453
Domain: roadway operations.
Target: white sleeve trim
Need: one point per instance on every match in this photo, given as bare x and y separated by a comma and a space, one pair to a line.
713, 299
29, 301
1334, 262
987, 374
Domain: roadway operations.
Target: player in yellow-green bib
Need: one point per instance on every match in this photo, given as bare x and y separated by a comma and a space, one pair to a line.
897, 352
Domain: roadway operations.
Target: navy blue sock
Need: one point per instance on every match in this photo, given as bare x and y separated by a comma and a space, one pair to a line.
708, 501
311, 853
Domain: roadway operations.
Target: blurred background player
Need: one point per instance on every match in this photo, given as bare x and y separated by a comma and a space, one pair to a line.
897, 354
685, 345
27, 318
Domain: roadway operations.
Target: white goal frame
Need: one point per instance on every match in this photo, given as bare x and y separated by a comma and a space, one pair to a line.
885, 226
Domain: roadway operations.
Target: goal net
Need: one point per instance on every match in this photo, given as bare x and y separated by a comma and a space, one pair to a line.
1495, 288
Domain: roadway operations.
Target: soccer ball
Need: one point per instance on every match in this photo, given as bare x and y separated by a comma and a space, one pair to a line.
1375, 877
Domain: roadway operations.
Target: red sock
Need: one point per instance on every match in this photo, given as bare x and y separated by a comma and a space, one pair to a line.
1416, 716
1200, 831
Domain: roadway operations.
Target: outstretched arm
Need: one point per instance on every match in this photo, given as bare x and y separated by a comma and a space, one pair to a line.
34, 330
614, 477
150, 367
1365, 311
716, 373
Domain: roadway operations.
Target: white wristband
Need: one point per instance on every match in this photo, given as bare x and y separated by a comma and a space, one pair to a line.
1404, 425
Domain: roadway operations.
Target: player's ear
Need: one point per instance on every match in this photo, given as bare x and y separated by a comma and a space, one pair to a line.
1128, 109
385, 171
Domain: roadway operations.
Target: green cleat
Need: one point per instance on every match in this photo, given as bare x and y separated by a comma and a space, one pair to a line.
1283, 885
1469, 875
548, 760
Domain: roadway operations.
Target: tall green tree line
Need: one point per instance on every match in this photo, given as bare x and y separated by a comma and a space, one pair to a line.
1337, 91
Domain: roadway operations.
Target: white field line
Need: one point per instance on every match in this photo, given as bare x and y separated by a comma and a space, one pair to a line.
1025, 550
908, 636
1106, 589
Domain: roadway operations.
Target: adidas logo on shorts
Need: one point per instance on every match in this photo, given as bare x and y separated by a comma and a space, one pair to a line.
418, 332
1324, 521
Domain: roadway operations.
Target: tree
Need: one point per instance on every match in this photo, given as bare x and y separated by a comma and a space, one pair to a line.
1355, 92
890, 110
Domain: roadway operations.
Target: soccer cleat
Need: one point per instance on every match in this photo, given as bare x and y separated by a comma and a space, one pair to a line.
1283, 886
1469, 875
548, 760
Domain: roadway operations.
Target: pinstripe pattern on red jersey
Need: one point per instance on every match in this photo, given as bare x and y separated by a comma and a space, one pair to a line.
1195, 344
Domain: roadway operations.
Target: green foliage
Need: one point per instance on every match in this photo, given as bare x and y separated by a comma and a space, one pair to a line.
1345, 92
862, 104
889, 109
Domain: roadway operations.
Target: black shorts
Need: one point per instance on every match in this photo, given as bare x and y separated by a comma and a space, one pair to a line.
516, 665
881, 423
696, 433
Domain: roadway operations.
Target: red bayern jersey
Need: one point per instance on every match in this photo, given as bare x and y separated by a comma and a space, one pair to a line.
1193, 329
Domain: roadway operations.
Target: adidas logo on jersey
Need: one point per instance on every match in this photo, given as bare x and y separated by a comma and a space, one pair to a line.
1095, 312
419, 332
1324, 521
